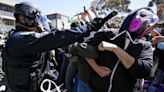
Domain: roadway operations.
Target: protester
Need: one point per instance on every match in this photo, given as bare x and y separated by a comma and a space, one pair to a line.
157, 74
65, 61
71, 71
25, 52
160, 11
159, 27
124, 53
71, 79
156, 80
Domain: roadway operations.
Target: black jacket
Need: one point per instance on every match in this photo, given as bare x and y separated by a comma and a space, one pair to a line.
23, 49
124, 79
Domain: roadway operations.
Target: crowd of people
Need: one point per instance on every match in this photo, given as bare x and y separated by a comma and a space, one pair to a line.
122, 54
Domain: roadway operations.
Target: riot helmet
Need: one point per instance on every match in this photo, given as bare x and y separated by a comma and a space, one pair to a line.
32, 16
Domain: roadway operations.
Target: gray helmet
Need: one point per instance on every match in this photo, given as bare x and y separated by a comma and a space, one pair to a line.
29, 11
26, 9
32, 16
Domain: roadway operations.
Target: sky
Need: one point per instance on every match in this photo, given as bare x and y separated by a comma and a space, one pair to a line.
72, 7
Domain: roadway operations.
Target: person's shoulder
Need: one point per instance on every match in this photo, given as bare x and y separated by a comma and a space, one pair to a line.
26, 33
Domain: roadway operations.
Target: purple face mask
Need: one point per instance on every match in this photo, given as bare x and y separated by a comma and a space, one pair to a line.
135, 24
142, 21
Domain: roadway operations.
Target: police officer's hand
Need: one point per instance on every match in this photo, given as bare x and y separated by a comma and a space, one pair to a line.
95, 24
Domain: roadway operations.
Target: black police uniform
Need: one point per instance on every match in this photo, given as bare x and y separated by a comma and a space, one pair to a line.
23, 51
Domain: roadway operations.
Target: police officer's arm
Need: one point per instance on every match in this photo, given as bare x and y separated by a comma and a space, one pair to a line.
53, 40
90, 54
60, 39
137, 67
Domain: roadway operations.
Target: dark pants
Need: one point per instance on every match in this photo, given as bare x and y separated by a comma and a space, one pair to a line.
70, 75
62, 74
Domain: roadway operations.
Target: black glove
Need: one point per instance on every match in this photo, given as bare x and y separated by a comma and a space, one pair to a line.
95, 24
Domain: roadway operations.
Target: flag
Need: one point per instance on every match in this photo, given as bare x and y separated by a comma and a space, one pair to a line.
71, 20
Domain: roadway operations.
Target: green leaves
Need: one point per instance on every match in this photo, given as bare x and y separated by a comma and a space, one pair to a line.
120, 5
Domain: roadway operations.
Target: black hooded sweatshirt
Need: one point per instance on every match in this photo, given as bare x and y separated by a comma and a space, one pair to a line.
124, 79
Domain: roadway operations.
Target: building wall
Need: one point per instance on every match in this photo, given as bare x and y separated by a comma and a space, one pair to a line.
7, 20
8, 2
59, 20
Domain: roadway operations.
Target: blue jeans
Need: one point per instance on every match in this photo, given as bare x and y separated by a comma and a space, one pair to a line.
76, 82
83, 87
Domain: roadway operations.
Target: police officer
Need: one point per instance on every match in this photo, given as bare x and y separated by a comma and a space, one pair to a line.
26, 46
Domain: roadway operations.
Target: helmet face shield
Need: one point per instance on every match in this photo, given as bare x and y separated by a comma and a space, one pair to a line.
43, 23
32, 16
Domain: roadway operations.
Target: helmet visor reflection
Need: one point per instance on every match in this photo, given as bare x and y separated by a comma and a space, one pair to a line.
43, 23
